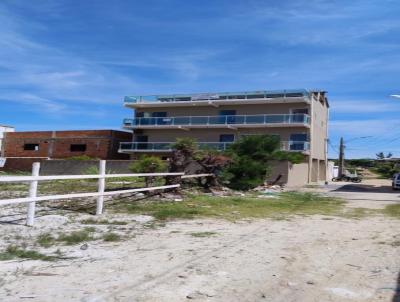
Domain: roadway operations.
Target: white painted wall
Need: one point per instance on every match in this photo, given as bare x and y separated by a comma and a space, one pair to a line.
333, 170
4, 129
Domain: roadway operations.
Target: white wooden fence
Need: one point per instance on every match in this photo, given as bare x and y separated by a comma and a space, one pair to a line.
35, 178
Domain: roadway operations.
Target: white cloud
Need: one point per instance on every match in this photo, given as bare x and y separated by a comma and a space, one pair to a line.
40, 103
319, 22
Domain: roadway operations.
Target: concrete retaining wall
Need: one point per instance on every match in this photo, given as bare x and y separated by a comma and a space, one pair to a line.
76, 167
20, 164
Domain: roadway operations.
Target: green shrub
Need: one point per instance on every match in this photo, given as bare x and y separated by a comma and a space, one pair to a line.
245, 173
186, 144
249, 164
250, 160
148, 164
257, 147
13, 252
76, 236
387, 169
111, 237
45, 240
293, 157
92, 170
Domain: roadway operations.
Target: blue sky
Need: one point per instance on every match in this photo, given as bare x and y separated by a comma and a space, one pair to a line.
68, 64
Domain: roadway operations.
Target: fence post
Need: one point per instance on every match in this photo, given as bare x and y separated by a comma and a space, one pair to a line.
101, 187
33, 193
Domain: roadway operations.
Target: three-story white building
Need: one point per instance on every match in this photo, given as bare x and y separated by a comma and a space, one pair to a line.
216, 120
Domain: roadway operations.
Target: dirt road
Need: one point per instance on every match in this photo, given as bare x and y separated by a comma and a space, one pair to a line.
314, 258
371, 193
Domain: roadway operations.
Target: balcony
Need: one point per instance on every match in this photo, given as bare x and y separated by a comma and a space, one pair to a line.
219, 98
134, 147
223, 121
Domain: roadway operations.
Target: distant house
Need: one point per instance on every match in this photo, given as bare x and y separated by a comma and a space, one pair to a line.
3, 130
21, 149
102, 144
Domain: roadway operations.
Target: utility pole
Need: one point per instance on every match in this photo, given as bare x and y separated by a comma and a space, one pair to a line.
341, 158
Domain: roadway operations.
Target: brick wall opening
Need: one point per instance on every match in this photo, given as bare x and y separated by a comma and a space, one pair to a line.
31, 147
78, 147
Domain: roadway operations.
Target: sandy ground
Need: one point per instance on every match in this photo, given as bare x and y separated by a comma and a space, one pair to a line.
314, 258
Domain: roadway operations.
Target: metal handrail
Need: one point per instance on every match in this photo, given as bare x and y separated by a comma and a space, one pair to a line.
167, 146
244, 95
219, 120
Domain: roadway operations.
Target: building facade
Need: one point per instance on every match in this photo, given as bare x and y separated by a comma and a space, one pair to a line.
3, 130
216, 120
102, 144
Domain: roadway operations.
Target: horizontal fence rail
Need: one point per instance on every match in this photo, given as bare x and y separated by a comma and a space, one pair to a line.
66, 177
81, 195
196, 175
101, 177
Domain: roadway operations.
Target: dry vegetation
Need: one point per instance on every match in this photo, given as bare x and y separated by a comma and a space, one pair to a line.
281, 206
137, 232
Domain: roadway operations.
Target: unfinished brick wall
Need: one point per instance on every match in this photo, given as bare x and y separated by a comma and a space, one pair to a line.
102, 144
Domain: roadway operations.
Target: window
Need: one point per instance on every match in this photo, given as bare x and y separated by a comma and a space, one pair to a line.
234, 97
150, 118
297, 146
158, 118
299, 115
300, 111
31, 147
294, 95
78, 148
159, 114
270, 134
255, 96
166, 99
226, 138
227, 112
141, 141
227, 117
298, 142
298, 137
183, 99
275, 95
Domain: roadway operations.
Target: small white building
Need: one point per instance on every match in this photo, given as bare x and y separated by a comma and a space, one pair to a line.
3, 129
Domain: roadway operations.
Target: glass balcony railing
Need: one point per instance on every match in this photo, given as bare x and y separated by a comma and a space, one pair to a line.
168, 146
219, 120
244, 95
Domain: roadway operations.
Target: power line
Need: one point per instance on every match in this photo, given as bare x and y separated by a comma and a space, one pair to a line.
332, 147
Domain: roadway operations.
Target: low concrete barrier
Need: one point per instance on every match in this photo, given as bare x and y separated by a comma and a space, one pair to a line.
76, 167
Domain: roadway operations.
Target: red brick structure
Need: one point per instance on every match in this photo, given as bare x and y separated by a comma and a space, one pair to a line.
102, 144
